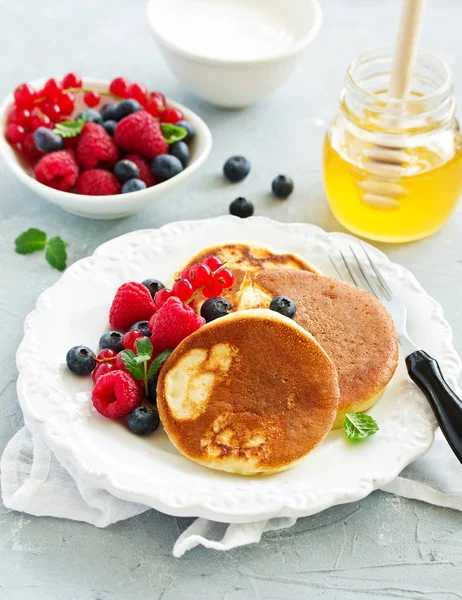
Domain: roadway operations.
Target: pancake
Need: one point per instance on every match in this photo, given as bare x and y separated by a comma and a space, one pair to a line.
352, 326
233, 396
249, 259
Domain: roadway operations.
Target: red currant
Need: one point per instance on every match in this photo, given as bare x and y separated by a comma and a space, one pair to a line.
52, 89
154, 107
159, 96
15, 133
212, 289
106, 353
162, 296
183, 289
38, 119
130, 338
24, 95
51, 110
138, 91
119, 87
172, 115
72, 80
102, 369
213, 262
119, 363
91, 98
200, 275
66, 103
19, 116
224, 277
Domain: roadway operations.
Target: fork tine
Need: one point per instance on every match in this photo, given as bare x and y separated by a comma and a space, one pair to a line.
336, 268
382, 281
350, 271
367, 279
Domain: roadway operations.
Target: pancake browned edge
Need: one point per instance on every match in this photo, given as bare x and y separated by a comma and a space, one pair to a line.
250, 258
352, 326
249, 393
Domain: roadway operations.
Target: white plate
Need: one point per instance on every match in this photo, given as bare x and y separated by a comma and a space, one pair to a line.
150, 471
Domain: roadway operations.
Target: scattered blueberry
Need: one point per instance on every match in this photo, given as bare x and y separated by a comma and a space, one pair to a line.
236, 168
214, 308
284, 305
112, 340
125, 170
241, 207
126, 107
189, 128
143, 420
92, 116
108, 111
153, 285
166, 166
81, 360
47, 141
282, 186
133, 185
110, 126
181, 151
152, 390
142, 327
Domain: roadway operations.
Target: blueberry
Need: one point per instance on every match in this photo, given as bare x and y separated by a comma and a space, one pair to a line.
110, 127
81, 360
133, 185
153, 285
282, 186
92, 116
125, 170
112, 340
152, 390
143, 420
241, 207
47, 141
108, 111
189, 128
236, 168
181, 151
283, 305
166, 166
142, 327
214, 308
126, 107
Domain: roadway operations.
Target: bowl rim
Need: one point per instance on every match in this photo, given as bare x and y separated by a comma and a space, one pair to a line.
196, 57
115, 200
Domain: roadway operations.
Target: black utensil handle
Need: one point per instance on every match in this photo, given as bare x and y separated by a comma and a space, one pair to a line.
426, 374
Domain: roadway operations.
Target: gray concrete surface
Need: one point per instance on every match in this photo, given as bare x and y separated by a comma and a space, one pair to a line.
382, 547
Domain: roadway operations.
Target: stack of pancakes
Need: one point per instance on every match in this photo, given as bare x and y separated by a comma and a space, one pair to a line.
255, 391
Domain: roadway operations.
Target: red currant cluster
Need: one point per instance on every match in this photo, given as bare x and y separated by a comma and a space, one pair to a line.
209, 278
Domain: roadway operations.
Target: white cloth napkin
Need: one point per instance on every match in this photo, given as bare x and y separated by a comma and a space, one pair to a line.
35, 482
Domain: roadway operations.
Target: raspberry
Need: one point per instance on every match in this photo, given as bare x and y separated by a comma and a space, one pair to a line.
131, 303
119, 87
72, 80
116, 394
58, 170
141, 133
98, 182
172, 115
130, 339
173, 322
96, 148
144, 169
91, 98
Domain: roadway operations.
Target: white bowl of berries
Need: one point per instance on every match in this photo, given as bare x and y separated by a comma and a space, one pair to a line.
98, 149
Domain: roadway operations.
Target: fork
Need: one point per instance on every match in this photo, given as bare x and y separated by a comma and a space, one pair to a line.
424, 370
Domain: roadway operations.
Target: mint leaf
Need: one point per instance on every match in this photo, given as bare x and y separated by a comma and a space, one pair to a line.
56, 254
359, 426
143, 349
68, 129
30, 241
135, 369
173, 133
157, 362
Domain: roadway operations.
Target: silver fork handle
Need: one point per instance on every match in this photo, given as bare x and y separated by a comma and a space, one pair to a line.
425, 372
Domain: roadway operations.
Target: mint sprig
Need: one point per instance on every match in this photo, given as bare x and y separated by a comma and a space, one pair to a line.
68, 129
173, 133
34, 239
137, 364
359, 426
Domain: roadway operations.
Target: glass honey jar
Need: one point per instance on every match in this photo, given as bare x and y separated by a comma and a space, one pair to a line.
393, 167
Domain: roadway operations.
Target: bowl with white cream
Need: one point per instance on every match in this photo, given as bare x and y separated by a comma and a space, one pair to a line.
233, 53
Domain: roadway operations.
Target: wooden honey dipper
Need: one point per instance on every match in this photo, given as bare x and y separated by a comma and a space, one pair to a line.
387, 161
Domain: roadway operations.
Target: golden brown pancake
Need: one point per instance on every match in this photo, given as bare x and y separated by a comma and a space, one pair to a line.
250, 259
233, 396
352, 326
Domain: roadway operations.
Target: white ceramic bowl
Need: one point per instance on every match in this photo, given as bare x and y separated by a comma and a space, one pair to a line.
233, 52
114, 206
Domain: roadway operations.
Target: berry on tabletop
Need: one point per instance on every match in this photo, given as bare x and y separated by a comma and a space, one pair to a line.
236, 168
241, 207
282, 186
